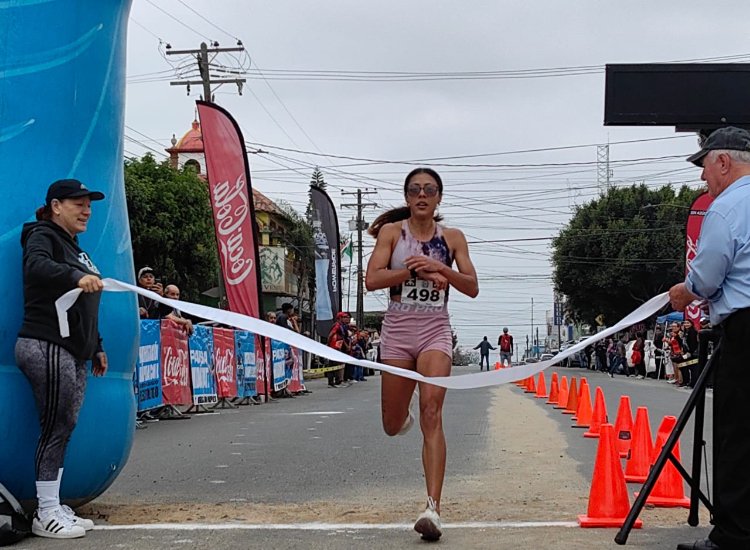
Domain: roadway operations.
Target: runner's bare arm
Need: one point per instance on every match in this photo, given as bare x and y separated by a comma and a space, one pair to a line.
378, 275
465, 279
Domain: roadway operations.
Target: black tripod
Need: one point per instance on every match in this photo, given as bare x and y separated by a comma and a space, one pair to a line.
696, 402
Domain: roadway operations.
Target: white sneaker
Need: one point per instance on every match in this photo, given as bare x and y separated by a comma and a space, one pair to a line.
428, 522
56, 525
409, 422
87, 524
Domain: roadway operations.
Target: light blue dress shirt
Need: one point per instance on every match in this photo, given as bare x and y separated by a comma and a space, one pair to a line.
720, 271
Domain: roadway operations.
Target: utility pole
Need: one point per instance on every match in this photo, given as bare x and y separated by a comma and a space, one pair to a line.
204, 64
361, 225
533, 351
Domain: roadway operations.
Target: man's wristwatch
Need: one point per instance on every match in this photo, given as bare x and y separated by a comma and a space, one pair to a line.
413, 273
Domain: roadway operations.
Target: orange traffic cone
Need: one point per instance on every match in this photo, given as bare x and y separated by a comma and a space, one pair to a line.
599, 416
609, 504
572, 404
554, 391
641, 449
541, 387
530, 385
498, 365
584, 412
624, 426
584, 382
669, 490
562, 395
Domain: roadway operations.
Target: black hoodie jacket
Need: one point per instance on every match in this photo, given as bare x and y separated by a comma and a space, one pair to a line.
53, 263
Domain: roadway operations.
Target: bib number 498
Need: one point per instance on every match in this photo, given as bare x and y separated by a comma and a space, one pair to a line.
419, 291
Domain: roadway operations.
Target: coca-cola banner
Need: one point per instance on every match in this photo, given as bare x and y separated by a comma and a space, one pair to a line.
232, 202
296, 381
175, 363
262, 364
325, 227
693, 231
225, 364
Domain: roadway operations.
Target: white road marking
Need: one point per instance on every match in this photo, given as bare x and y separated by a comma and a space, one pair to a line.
329, 526
314, 413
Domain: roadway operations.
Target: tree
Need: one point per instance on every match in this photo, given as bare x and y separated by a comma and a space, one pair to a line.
171, 224
298, 236
621, 249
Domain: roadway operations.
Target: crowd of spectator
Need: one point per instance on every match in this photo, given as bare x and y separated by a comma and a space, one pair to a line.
347, 338
672, 356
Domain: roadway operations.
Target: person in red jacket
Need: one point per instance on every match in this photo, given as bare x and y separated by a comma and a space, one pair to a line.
505, 341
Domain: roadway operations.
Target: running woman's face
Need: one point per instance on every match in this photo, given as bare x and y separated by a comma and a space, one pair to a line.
72, 214
423, 194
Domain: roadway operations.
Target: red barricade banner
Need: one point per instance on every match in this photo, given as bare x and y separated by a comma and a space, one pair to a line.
175, 360
263, 366
225, 363
295, 384
692, 232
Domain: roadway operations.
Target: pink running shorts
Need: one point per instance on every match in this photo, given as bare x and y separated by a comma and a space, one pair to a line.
410, 330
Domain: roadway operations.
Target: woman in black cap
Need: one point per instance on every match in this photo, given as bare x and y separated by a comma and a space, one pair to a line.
53, 264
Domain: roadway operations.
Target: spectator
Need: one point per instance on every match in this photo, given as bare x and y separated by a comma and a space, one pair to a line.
690, 343
484, 348
505, 341
677, 353
339, 339
173, 293
638, 354
600, 353
658, 351
148, 308
271, 317
282, 319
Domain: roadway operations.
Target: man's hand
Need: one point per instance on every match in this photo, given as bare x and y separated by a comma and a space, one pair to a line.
158, 288
90, 283
99, 364
680, 297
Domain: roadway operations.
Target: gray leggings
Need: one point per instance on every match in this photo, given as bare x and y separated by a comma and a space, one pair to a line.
58, 381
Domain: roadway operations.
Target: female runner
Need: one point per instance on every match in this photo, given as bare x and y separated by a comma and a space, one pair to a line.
413, 256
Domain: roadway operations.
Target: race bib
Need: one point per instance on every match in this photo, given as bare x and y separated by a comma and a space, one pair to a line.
419, 291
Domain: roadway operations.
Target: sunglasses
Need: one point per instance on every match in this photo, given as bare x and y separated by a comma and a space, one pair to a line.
430, 189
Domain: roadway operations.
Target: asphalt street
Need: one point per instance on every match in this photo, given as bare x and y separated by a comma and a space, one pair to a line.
316, 471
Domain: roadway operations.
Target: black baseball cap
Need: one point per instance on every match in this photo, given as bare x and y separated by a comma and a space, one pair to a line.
729, 138
71, 189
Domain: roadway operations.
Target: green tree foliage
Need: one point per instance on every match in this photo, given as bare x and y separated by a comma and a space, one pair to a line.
171, 224
298, 237
621, 249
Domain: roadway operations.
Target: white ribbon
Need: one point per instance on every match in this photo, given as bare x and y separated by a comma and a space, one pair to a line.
257, 326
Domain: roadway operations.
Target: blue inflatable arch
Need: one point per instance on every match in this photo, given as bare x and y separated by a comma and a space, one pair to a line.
62, 85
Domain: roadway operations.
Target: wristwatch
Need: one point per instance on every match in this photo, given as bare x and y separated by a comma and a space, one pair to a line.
413, 273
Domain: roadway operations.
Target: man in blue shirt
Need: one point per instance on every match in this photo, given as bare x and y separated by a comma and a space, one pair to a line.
720, 275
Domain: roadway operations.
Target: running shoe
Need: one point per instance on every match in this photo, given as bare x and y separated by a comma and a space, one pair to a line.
56, 525
409, 422
87, 524
428, 522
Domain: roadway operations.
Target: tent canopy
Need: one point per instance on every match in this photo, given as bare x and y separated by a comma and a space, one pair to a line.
670, 317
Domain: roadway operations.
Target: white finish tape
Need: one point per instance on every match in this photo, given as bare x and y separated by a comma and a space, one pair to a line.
257, 326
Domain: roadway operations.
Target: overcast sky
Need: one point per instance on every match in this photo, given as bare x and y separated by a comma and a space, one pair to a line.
503, 195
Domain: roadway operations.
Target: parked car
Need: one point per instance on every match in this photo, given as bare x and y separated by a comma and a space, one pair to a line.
546, 356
